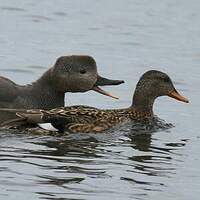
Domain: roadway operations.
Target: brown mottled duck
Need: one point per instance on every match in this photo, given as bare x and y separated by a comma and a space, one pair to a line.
87, 119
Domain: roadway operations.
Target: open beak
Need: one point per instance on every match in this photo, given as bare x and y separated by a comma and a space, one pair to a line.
101, 81
174, 94
99, 90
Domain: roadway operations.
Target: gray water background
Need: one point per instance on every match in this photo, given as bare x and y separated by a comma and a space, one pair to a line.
126, 38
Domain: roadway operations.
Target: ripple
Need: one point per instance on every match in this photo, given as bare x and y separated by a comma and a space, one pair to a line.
72, 163
38, 18
17, 70
59, 181
141, 182
36, 67
61, 14
131, 44
8, 8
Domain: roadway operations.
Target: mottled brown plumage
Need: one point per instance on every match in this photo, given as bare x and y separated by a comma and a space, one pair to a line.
89, 119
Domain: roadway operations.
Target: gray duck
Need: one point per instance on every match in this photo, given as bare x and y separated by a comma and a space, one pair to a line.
76, 73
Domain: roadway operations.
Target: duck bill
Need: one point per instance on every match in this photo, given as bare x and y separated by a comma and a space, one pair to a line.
101, 81
99, 90
174, 94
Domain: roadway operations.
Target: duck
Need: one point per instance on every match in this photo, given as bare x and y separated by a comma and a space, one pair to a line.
85, 119
74, 73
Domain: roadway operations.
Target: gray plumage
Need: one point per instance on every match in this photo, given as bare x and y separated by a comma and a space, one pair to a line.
69, 74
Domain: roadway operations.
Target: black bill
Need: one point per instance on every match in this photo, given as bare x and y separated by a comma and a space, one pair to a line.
101, 81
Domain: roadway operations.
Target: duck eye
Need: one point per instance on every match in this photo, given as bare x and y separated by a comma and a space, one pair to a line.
82, 71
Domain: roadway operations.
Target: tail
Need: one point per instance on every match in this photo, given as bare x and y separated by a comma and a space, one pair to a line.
14, 122
23, 117
34, 117
12, 110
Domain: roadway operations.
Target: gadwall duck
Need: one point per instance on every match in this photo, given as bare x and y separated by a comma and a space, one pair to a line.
69, 74
76, 73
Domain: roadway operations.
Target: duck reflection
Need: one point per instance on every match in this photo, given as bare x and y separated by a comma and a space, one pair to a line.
151, 156
70, 160
71, 145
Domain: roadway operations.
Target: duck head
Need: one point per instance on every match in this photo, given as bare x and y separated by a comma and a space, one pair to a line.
151, 85
78, 73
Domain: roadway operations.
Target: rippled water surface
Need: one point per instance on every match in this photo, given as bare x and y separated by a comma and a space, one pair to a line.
126, 38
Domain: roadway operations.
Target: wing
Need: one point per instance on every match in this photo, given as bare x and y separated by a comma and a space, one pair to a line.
74, 118
71, 114
92, 119
81, 114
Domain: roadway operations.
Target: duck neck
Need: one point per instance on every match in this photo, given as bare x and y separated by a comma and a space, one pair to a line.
46, 93
143, 102
44, 80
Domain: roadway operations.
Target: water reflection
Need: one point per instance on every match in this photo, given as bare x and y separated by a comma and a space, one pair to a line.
71, 161
141, 142
68, 146
151, 158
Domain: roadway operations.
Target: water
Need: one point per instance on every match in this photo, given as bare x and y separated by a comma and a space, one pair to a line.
126, 38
